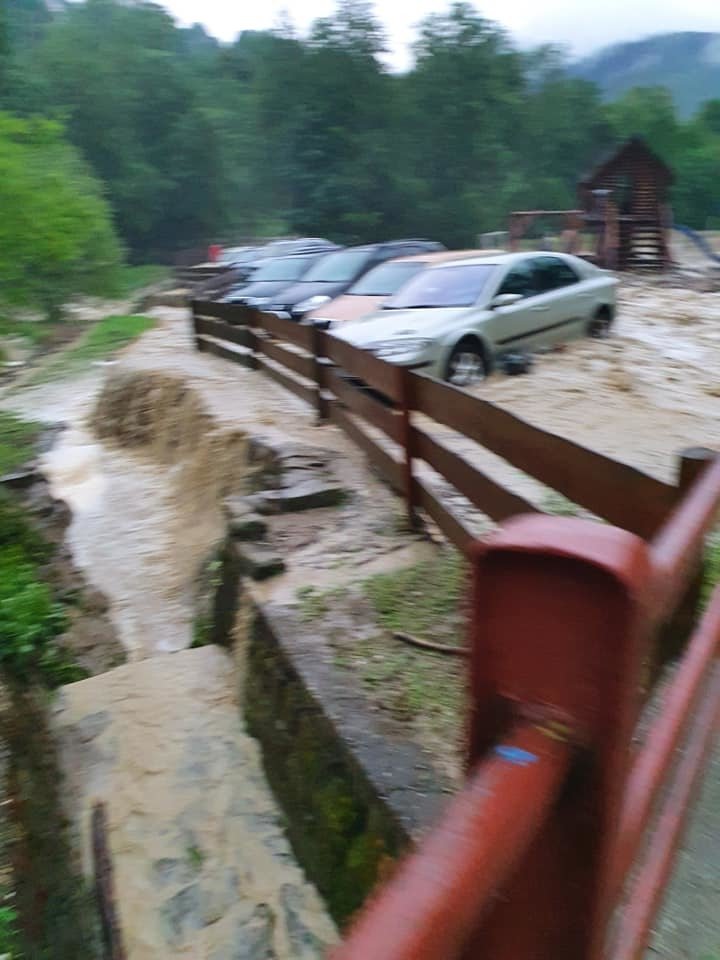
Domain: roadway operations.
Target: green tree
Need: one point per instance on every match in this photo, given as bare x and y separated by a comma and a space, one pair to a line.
463, 93
56, 233
650, 113
134, 93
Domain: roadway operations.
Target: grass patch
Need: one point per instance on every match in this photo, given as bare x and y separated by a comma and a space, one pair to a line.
35, 331
17, 439
8, 934
427, 601
101, 341
424, 600
132, 279
30, 617
423, 688
312, 603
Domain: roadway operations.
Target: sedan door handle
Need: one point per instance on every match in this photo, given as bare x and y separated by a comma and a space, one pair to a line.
540, 309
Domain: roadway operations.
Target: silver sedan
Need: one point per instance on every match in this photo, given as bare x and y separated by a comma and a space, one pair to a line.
455, 320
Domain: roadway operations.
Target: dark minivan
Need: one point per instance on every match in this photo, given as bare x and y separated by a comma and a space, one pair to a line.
332, 275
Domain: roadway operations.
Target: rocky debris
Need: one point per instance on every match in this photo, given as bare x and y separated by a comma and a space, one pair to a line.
305, 493
244, 523
20, 479
258, 560
298, 478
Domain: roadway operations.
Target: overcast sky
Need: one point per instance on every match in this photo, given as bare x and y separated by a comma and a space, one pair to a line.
582, 25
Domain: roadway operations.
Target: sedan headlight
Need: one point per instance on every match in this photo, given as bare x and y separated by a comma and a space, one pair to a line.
387, 349
305, 306
257, 301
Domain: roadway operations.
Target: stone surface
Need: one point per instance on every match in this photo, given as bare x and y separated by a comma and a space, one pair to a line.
259, 560
202, 867
243, 521
307, 493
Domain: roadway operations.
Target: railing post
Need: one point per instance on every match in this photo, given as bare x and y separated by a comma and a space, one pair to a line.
674, 635
406, 387
559, 627
318, 350
193, 321
252, 321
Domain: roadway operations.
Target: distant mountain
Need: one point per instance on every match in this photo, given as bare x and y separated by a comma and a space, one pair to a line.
688, 64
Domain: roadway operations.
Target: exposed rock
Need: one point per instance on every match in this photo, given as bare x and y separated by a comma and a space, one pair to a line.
303, 941
168, 871
259, 560
181, 915
252, 939
307, 494
20, 479
243, 521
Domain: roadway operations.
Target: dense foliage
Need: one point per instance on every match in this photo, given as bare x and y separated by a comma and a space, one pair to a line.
56, 233
196, 141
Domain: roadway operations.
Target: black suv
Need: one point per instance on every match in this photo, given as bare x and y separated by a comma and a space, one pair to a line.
332, 275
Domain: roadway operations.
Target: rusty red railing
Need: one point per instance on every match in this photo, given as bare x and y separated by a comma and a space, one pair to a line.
531, 859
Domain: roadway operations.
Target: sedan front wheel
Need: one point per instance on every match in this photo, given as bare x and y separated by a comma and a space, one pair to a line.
466, 365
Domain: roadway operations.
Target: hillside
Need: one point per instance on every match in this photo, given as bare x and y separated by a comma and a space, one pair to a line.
688, 64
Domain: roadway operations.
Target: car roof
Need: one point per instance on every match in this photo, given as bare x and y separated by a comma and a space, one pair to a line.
432, 246
502, 258
442, 256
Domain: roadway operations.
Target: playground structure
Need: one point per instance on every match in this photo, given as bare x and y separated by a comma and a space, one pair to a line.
623, 210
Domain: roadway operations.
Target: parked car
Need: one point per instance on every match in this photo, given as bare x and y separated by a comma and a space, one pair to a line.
237, 256
292, 248
454, 320
271, 278
375, 286
338, 271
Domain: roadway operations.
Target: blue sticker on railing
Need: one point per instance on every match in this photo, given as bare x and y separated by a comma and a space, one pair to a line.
515, 755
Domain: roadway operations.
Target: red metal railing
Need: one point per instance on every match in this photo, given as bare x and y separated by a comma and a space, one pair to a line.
532, 857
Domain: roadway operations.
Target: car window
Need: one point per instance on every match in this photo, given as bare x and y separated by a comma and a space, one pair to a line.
521, 279
552, 272
452, 286
284, 268
338, 267
385, 279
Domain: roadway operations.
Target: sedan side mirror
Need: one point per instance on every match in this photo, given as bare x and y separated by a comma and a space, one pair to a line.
504, 300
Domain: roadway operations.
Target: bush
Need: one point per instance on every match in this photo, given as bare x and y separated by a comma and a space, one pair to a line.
29, 617
17, 438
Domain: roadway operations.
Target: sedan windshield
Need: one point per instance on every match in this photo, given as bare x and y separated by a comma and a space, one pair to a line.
385, 279
338, 267
285, 268
452, 286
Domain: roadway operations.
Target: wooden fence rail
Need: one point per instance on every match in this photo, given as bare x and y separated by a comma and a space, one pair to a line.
354, 389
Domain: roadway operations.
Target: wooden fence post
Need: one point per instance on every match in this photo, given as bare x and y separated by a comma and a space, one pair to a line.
408, 400
674, 635
318, 350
